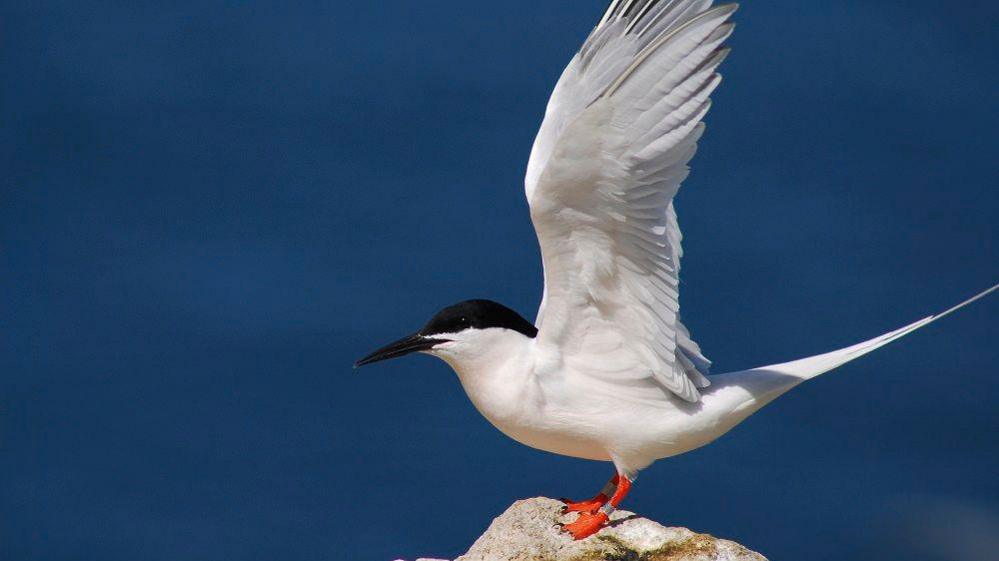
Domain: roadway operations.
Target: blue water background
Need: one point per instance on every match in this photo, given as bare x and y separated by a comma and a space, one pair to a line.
209, 210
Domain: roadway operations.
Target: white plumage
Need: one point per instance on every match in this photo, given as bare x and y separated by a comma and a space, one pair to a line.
621, 126
610, 372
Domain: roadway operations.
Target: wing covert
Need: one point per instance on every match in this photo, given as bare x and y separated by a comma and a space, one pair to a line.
620, 128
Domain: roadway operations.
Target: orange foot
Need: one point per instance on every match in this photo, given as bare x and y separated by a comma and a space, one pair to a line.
590, 506
586, 525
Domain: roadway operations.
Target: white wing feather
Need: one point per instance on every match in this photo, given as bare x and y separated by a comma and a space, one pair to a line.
620, 128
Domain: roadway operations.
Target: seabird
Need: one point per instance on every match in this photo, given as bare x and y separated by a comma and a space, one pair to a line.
608, 371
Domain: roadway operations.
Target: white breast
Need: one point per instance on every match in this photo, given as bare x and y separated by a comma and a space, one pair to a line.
533, 396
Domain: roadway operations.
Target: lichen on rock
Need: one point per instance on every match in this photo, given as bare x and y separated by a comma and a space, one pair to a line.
528, 531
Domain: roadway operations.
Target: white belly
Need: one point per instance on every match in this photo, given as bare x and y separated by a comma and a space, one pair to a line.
582, 423
520, 412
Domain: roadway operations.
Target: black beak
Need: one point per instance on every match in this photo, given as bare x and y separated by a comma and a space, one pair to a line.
402, 347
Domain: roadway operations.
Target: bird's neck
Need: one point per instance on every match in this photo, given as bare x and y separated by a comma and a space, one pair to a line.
499, 381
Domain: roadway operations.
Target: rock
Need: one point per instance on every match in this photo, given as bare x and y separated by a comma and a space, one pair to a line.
527, 532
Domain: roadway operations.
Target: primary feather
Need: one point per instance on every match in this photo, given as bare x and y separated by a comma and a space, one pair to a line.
621, 126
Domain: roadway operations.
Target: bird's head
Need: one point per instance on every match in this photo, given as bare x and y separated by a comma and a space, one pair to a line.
461, 334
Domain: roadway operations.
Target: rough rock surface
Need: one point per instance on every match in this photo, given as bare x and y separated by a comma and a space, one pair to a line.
527, 532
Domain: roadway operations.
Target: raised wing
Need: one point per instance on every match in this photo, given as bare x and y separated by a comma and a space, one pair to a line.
620, 128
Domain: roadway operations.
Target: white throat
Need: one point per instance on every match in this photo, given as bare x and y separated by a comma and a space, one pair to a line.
496, 369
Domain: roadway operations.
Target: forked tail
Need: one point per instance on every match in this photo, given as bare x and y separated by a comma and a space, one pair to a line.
766, 383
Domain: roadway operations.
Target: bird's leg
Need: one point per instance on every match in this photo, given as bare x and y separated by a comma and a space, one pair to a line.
596, 502
589, 523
